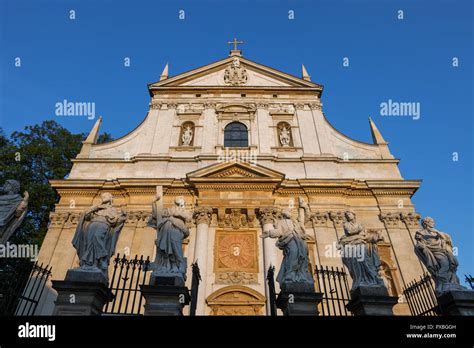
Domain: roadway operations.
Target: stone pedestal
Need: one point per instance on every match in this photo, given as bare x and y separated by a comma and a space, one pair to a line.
81, 293
298, 299
457, 302
371, 300
165, 296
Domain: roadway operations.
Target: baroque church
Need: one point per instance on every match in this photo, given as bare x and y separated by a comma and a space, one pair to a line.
238, 139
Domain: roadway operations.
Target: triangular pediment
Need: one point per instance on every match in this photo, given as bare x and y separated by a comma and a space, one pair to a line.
235, 171
252, 74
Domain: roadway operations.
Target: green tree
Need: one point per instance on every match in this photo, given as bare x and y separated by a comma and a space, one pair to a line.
104, 138
33, 157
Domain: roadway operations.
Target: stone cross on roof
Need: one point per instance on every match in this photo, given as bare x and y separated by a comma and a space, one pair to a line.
235, 51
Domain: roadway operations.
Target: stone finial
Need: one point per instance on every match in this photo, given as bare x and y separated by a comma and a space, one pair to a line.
304, 73
376, 135
164, 74
90, 140
94, 133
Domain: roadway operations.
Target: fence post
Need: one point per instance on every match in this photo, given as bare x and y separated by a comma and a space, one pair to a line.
194, 288
271, 290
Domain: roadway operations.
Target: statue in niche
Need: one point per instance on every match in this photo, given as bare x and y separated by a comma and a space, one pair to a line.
387, 278
187, 136
97, 234
170, 225
285, 138
13, 209
359, 253
292, 238
435, 250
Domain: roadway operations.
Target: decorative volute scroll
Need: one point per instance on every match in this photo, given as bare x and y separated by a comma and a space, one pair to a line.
235, 74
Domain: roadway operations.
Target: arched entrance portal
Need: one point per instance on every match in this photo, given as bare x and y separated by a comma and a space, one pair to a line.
236, 300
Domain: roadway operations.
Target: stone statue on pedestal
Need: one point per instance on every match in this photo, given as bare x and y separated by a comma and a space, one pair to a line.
12, 209
170, 224
292, 240
435, 250
284, 136
359, 253
97, 234
187, 136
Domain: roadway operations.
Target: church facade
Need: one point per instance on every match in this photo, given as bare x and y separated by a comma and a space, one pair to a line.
238, 139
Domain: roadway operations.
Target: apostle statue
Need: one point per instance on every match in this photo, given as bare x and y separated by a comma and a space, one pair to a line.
359, 253
12, 208
292, 241
435, 250
187, 136
97, 234
170, 224
284, 136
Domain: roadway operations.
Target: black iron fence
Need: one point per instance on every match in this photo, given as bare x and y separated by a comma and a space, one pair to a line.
127, 276
22, 283
469, 279
421, 297
332, 282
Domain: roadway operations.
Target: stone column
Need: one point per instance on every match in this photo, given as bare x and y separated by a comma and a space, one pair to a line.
202, 217
412, 224
267, 219
337, 217
326, 239
402, 246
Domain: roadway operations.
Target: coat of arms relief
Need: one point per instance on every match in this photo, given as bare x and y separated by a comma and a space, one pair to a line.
235, 74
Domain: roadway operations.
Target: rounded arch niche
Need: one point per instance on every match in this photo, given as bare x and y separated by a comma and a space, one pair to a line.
236, 300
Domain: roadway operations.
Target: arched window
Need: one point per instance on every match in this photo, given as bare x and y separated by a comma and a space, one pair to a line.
236, 135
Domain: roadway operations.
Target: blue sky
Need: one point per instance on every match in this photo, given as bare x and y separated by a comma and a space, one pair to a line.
407, 60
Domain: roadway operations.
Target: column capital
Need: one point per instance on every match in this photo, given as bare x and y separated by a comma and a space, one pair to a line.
320, 218
337, 217
411, 219
267, 215
390, 219
202, 215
